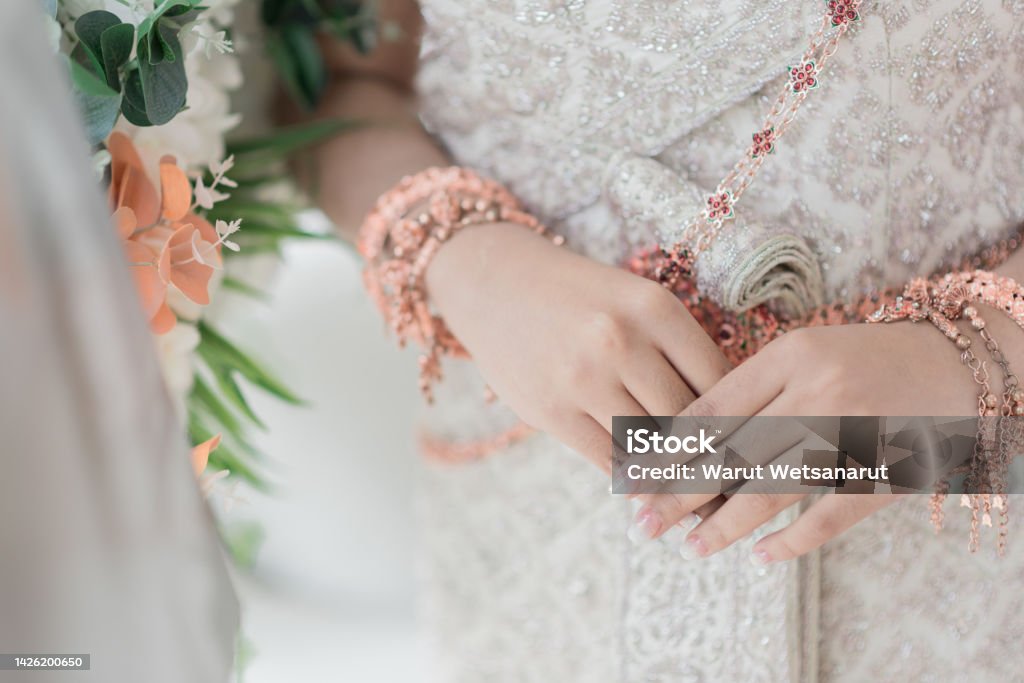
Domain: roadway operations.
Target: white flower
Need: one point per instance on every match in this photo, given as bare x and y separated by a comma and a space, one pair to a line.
54, 33
225, 230
175, 351
219, 168
131, 11
212, 40
205, 196
100, 161
196, 135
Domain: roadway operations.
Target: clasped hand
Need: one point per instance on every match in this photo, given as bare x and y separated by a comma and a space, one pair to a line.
568, 343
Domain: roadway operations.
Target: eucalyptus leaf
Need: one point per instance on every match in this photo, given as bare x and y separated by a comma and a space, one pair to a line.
165, 7
98, 103
164, 83
89, 28
116, 47
133, 106
50, 7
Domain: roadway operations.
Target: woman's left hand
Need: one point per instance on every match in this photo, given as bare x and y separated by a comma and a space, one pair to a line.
895, 369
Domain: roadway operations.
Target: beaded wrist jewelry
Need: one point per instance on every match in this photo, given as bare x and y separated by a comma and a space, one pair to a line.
401, 235
999, 433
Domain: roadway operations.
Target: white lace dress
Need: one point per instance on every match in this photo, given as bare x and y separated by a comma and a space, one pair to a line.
609, 118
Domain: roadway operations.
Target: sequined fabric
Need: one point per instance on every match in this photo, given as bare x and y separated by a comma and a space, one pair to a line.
907, 156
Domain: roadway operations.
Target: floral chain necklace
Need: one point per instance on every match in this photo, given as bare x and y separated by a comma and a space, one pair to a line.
701, 230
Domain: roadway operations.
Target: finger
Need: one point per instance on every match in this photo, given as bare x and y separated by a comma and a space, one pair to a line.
694, 355
709, 508
744, 391
617, 401
738, 517
654, 382
584, 435
826, 519
756, 445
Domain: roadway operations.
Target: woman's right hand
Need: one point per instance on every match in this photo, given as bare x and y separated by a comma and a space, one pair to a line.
568, 342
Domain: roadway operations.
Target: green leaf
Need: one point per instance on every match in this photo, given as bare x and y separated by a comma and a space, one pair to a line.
295, 51
224, 376
204, 397
89, 83
236, 285
227, 355
98, 103
171, 7
50, 7
258, 229
164, 84
133, 106
116, 46
244, 540
288, 140
89, 28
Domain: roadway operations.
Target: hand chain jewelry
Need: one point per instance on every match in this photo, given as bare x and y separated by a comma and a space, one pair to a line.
1000, 434
701, 230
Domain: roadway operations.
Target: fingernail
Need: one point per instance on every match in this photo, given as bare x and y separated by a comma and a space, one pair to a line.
688, 522
644, 527
693, 547
760, 557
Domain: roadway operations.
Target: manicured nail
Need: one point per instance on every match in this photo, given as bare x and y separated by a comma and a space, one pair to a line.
688, 522
644, 527
760, 557
693, 547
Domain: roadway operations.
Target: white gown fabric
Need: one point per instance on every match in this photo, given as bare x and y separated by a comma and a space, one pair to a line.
107, 546
610, 118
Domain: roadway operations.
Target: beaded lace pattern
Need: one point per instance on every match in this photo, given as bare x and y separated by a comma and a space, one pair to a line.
719, 207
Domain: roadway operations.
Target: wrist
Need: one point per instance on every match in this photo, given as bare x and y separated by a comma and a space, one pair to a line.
470, 261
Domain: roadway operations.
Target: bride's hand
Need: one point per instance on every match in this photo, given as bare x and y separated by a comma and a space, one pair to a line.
565, 341
896, 369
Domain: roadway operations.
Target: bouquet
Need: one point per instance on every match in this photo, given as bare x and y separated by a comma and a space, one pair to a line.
153, 80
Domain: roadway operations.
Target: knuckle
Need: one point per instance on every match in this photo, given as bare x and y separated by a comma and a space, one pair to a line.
703, 407
608, 332
762, 504
651, 297
820, 528
786, 547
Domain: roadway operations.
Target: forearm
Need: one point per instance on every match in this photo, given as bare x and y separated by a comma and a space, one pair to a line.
356, 167
349, 172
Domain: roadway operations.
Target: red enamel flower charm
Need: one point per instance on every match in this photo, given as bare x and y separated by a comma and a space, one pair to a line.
719, 206
764, 142
803, 77
843, 11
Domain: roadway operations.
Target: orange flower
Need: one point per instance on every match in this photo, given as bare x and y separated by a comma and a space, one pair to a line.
165, 242
201, 454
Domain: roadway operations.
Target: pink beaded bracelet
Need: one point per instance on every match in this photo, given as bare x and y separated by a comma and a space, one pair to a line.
401, 235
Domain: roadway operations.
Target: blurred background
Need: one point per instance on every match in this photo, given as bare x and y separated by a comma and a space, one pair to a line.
330, 595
